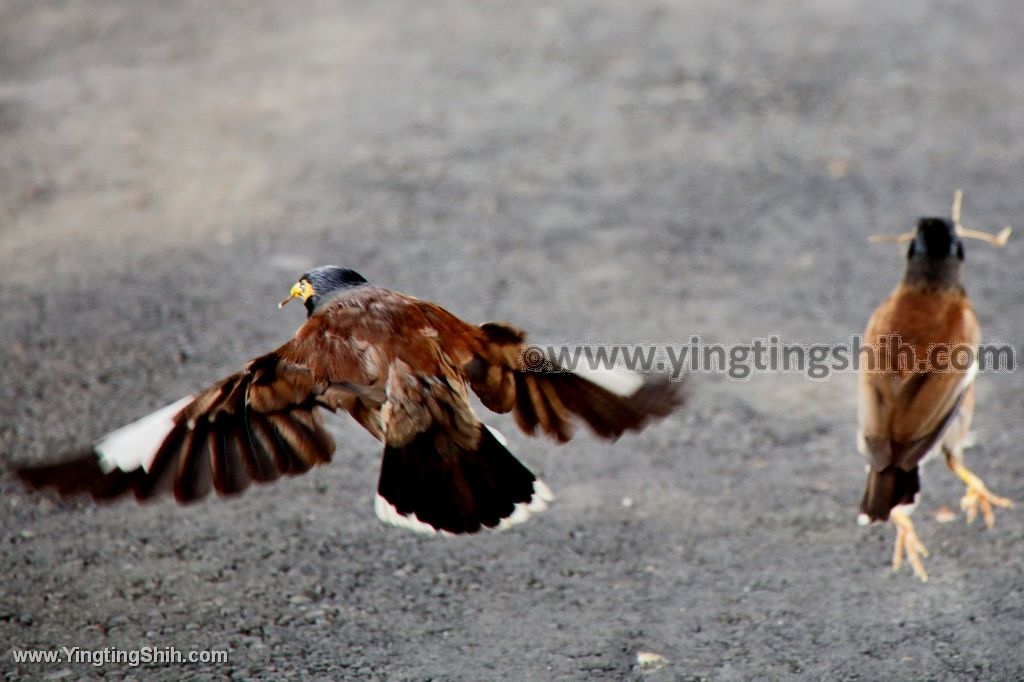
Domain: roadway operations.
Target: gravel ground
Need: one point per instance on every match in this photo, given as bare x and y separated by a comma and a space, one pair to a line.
599, 171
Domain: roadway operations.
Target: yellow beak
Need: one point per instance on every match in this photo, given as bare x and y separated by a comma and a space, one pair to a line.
301, 289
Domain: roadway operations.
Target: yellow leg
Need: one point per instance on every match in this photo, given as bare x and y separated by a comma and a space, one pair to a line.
978, 495
907, 543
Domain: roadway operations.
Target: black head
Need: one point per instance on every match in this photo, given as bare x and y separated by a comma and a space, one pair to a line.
323, 283
935, 255
936, 240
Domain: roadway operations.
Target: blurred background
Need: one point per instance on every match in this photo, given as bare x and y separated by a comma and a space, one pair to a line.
591, 171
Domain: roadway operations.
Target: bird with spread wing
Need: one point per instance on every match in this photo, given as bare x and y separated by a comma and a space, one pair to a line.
402, 368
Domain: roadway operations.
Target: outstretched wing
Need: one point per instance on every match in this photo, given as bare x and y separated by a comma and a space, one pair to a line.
546, 397
253, 426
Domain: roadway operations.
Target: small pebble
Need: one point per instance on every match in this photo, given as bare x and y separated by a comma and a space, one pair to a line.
648, 661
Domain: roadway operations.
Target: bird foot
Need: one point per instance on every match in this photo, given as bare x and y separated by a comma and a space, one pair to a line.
908, 543
978, 496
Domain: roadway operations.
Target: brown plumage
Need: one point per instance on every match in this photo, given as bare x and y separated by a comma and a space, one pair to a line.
906, 411
400, 367
915, 398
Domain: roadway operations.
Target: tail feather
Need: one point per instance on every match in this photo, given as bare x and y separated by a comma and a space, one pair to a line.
432, 485
888, 489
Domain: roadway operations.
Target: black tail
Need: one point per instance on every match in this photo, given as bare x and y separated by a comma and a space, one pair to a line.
889, 488
431, 484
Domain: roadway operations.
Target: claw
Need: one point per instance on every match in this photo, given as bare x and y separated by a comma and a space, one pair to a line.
908, 543
978, 496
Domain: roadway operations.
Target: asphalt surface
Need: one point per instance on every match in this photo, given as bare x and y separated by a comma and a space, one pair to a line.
592, 171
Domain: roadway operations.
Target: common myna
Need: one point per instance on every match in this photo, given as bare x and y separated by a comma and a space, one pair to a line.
916, 390
402, 368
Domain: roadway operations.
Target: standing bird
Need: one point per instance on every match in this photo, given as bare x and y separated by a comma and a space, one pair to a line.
916, 393
400, 367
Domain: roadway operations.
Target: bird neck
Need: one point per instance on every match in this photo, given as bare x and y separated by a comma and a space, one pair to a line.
934, 275
322, 301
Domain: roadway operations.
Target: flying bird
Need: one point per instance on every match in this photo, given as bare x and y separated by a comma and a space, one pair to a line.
402, 368
916, 384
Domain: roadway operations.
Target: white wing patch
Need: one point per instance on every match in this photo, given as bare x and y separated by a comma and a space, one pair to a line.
134, 446
621, 382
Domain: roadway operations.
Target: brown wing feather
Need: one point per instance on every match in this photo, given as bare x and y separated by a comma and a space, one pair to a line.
547, 400
253, 426
903, 412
